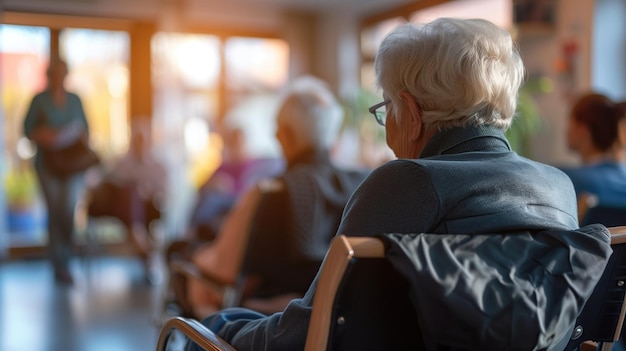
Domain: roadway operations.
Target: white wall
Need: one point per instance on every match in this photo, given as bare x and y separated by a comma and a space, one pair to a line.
609, 49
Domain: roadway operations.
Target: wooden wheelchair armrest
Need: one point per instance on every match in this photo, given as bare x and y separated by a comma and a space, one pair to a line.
337, 259
618, 234
195, 331
190, 269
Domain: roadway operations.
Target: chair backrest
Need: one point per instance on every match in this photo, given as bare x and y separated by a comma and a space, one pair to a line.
357, 289
234, 237
602, 317
227, 254
609, 216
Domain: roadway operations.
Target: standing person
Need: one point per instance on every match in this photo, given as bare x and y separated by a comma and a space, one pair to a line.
56, 119
593, 133
450, 91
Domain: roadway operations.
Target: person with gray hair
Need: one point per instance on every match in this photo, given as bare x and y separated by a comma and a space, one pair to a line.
310, 118
315, 114
459, 72
449, 93
300, 218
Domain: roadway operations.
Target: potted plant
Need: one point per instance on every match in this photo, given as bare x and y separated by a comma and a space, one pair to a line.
528, 119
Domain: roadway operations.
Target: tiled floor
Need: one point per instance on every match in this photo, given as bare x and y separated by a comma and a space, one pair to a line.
110, 307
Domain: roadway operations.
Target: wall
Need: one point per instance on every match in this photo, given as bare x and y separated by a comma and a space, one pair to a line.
299, 30
338, 56
609, 48
543, 51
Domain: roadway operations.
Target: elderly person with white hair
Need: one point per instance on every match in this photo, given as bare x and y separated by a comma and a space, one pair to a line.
300, 218
449, 93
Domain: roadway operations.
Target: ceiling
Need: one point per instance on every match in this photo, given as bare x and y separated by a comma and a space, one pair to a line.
325, 5
360, 7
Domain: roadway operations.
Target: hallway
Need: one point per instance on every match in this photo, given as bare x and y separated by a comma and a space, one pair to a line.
109, 307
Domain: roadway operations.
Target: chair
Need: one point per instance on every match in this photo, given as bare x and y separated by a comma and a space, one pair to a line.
193, 330
603, 315
341, 256
590, 212
109, 203
609, 216
230, 286
236, 287
345, 320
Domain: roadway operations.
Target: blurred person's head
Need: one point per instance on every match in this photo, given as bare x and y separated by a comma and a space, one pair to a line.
448, 73
138, 144
622, 126
309, 118
620, 150
234, 146
139, 137
593, 127
56, 73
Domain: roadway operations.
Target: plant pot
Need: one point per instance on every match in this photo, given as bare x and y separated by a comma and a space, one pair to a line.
22, 220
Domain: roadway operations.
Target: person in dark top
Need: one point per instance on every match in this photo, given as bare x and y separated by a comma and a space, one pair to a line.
292, 227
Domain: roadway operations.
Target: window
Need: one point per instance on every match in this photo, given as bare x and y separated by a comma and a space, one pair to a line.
24, 52
98, 72
202, 81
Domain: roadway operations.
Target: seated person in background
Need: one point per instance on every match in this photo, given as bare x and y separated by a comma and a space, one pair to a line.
593, 133
449, 93
139, 182
236, 173
292, 228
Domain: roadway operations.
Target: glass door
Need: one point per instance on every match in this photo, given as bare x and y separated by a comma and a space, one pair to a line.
98, 63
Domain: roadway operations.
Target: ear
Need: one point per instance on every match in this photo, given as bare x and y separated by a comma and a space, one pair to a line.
289, 136
581, 131
412, 112
288, 141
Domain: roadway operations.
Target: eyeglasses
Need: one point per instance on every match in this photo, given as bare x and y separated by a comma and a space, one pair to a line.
380, 112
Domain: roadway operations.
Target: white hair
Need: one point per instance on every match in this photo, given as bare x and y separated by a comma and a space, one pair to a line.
460, 71
315, 114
